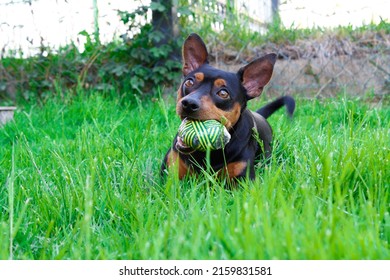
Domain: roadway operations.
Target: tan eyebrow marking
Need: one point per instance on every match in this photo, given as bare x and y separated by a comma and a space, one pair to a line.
199, 76
219, 82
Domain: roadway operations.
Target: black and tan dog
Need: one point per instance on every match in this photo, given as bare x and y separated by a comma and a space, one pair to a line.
207, 93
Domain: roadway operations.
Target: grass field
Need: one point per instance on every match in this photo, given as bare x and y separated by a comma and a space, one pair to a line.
79, 179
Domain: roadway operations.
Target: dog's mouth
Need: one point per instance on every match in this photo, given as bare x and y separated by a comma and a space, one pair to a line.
182, 144
182, 147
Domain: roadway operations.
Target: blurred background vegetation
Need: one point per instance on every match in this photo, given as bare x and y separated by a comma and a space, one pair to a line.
145, 59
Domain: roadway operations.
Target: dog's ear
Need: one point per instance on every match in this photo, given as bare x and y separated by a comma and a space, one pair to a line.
194, 53
255, 75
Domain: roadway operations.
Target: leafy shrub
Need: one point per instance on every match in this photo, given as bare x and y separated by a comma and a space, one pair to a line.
144, 61
140, 65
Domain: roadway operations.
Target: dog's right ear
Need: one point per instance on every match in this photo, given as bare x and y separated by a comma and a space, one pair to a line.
257, 74
194, 53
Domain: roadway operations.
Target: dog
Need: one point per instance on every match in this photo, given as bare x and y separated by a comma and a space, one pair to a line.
207, 93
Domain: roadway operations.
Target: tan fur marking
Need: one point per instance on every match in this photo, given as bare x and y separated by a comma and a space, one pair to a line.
234, 169
174, 159
179, 94
199, 76
178, 103
211, 112
219, 82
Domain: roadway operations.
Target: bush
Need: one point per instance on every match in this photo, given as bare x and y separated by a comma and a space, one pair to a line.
140, 65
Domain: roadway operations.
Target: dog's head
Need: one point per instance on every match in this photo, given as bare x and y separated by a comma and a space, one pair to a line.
207, 93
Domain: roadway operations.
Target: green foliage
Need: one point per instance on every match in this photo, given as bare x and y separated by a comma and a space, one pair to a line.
140, 64
80, 180
235, 30
144, 61
215, 23
280, 34
153, 67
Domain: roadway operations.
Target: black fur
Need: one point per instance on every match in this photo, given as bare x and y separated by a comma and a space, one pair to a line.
210, 93
270, 108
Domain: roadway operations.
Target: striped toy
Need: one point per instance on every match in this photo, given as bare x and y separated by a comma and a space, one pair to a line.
203, 135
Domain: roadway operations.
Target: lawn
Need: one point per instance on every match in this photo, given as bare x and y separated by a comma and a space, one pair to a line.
79, 179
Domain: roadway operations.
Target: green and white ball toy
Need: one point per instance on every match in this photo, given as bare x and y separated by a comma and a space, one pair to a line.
203, 135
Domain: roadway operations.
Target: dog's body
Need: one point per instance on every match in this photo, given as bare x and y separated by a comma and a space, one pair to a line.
209, 93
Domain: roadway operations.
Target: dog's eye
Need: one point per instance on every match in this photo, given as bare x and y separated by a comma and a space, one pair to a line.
223, 94
189, 83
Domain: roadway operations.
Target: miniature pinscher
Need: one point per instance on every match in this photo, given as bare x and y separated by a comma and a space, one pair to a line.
207, 93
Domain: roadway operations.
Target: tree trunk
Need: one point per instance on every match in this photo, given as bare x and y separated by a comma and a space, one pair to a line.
166, 23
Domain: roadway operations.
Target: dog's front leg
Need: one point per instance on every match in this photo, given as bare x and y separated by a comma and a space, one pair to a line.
239, 169
173, 163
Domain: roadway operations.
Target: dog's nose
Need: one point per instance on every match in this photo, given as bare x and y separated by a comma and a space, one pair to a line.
190, 105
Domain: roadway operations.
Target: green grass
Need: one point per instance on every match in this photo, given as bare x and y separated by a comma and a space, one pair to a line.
79, 179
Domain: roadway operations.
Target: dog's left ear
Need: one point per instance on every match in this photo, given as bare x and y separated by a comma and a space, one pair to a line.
194, 53
255, 75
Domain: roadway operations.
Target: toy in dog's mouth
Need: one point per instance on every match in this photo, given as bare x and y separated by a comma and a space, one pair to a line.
182, 147
195, 135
